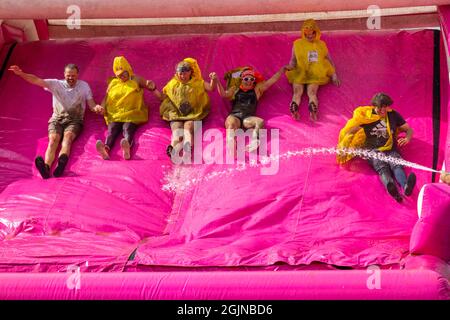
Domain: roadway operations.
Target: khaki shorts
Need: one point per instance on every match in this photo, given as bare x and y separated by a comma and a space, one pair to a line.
62, 124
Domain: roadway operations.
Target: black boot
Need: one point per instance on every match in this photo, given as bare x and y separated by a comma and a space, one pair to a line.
42, 167
62, 162
386, 178
410, 183
393, 191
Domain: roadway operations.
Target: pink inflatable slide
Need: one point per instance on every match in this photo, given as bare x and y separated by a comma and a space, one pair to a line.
288, 229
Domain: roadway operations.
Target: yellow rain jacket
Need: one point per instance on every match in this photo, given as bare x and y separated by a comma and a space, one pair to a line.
125, 100
361, 115
312, 66
192, 92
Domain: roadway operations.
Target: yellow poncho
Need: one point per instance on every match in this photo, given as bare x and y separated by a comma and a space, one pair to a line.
193, 92
125, 100
361, 115
312, 67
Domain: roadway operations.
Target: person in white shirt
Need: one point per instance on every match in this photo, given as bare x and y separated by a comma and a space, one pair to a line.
69, 103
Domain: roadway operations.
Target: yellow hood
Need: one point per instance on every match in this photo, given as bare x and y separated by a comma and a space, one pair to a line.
120, 65
310, 25
196, 73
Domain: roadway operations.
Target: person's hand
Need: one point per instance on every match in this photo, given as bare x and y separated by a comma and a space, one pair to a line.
99, 109
150, 84
16, 70
403, 141
335, 80
213, 76
287, 67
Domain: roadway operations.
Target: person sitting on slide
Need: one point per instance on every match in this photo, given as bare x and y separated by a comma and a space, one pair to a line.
375, 128
185, 100
311, 67
66, 123
125, 107
244, 98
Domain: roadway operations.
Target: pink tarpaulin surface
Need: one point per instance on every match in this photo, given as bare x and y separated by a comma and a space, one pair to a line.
309, 210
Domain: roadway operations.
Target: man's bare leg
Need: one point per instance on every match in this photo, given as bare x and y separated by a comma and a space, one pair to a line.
313, 100
64, 153
296, 100
176, 137
53, 143
42, 165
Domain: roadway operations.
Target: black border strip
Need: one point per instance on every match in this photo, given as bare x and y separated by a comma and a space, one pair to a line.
8, 55
436, 100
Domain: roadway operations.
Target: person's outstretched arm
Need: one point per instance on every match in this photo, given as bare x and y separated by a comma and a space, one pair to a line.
228, 94
268, 83
147, 84
31, 78
159, 94
212, 83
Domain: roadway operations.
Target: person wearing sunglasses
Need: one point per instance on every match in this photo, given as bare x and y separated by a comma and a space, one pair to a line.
311, 67
375, 128
184, 100
244, 98
125, 107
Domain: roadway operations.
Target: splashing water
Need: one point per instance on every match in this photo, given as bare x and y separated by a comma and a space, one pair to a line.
182, 178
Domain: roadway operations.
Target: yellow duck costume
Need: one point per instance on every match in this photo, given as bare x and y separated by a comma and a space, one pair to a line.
192, 92
312, 66
361, 115
125, 100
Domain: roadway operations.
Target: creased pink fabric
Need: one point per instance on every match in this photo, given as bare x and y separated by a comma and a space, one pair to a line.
311, 210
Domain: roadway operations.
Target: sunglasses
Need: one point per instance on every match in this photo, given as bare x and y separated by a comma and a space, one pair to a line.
248, 79
183, 69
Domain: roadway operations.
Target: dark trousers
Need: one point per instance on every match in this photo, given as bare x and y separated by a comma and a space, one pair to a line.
385, 169
114, 129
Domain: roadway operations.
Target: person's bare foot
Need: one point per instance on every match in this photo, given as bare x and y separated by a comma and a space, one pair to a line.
313, 111
293, 108
102, 150
252, 146
125, 145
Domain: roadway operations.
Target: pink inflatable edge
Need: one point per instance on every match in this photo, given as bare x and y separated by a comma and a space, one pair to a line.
371, 284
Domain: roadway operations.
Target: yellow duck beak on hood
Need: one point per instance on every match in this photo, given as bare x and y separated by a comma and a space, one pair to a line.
308, 27
121, 65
